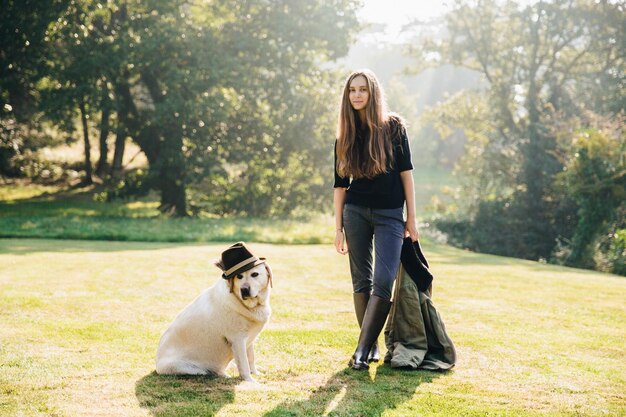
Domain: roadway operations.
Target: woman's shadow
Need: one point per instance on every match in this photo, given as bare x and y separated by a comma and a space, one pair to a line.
358, 393
184, 395
346, 393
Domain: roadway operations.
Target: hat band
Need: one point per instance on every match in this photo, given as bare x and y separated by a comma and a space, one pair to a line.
234, 268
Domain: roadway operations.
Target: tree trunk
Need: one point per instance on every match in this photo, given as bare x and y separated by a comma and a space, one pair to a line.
167, 168
101, 167
161, 142
173, 195
170, 172
538, 237
120, 145
170, 168
83, 117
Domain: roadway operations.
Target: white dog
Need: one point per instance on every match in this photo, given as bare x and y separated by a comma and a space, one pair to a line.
222, 323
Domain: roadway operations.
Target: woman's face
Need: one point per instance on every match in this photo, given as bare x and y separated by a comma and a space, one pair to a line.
359, 93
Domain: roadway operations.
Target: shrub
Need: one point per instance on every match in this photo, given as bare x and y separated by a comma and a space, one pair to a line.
617, 253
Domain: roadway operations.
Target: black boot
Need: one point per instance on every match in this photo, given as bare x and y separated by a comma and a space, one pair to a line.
373, 321
360, 304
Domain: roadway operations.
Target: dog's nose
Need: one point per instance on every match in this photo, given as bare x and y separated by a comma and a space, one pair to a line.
245, 292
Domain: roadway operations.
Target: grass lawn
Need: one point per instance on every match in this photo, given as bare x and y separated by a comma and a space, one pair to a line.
80, 323
30, 210
35, 211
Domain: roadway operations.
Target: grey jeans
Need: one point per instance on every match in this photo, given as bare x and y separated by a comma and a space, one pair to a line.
385, 229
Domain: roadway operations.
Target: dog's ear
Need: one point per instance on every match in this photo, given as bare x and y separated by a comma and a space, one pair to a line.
218, 263
268, 268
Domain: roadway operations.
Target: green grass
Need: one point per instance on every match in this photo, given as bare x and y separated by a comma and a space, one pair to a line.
39, 211
50, 212
80, 323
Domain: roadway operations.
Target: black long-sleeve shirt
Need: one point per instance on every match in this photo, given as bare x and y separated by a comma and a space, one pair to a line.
384, 191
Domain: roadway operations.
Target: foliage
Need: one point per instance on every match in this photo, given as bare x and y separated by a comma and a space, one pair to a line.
23, 55
488, 168
134, 184
594, 176
545, 64
616, 253
202, 87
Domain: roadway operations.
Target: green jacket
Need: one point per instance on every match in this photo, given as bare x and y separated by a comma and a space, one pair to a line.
415, 334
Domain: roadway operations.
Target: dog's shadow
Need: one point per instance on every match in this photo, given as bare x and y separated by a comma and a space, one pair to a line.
358, 393
169, 395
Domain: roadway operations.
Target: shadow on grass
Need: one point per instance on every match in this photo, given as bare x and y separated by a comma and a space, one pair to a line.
28, 246
77, 201
358, 394
180, 396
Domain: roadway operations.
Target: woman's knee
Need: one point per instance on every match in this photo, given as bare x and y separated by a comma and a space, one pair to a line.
383, 291
362, 285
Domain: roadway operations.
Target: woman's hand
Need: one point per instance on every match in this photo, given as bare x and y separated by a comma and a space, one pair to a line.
341, 245
410, 229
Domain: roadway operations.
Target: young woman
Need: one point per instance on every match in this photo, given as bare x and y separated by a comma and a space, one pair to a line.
373, 180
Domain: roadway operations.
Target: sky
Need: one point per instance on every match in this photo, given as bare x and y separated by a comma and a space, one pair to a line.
396, 13
391, 11
400, 11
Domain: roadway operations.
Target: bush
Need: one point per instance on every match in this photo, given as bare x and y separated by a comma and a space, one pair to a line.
500, 227
617, 253
261, 188
457, 231
594, 176
133, 185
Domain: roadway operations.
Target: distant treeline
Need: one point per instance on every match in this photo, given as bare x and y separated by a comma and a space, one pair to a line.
543, 171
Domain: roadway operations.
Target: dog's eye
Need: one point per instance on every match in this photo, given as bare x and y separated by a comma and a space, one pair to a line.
255, 274
239, 276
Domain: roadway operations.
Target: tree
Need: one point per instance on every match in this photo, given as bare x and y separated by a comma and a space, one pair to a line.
23, 53
594, 176
78, 70
272, 139
538, 61
223, 98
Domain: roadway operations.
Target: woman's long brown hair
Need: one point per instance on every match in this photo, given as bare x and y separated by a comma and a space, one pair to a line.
352, 160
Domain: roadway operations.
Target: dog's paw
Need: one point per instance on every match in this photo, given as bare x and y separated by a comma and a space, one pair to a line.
256, 371
249, 383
